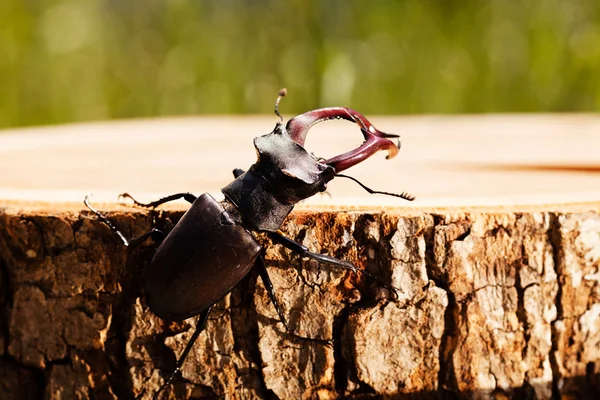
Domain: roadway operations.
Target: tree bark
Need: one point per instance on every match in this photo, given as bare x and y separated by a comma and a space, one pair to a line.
500, 303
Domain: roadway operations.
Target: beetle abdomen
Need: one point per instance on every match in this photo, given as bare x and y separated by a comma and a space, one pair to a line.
201, 260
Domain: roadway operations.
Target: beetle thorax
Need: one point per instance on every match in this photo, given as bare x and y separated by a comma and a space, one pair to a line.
291, 173
284, 174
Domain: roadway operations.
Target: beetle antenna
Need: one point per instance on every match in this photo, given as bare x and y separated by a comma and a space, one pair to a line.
403, 195
282, 94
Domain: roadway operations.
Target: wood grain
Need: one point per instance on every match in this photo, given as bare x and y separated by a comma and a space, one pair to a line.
514, 160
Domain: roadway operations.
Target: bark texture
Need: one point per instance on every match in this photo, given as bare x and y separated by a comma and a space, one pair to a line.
489, 304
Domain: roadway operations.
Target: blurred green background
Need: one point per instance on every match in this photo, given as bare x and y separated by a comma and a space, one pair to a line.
79, 60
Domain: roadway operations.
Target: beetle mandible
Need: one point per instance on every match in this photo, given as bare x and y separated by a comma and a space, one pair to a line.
212, 248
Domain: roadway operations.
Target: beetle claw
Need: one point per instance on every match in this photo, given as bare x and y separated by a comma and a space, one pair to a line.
375, 140
121, 197
135, 202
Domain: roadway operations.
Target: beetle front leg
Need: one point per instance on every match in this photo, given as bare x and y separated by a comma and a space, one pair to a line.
264, 275
155, 234
190, 198
238, 172
304, 252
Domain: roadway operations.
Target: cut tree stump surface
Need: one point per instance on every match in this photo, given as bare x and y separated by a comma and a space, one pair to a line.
497, 264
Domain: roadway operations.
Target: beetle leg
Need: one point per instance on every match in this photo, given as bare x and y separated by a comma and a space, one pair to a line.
264, 275
102, 218
155, 234
190, 198
200, 325
238, 172
303, 252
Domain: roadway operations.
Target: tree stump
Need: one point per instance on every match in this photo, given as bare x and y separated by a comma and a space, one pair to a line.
497, 264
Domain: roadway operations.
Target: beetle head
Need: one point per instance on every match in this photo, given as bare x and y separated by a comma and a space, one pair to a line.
285, 173
291, 173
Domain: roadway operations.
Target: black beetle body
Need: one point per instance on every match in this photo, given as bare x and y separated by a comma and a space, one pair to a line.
205, 255
212, 248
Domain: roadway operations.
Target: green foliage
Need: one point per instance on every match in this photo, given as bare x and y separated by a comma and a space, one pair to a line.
76, 60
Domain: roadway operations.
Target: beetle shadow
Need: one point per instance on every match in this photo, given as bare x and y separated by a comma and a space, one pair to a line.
244, 326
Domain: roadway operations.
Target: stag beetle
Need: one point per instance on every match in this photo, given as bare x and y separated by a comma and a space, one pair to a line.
212, 247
